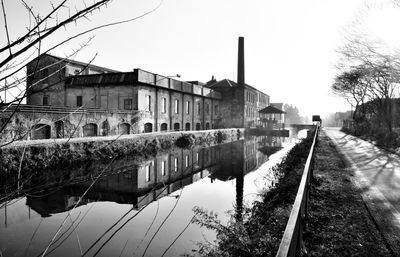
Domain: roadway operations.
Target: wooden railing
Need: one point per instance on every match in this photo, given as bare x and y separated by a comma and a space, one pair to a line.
292, 239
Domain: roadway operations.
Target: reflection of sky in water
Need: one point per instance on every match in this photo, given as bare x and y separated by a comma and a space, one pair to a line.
187, 185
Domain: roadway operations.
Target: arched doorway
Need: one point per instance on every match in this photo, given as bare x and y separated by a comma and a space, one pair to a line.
90, 130
59, 129
207, 125
198, 126
105, 128
124, 128
176, 126
41, 131
148, 127
164, 127
187, 126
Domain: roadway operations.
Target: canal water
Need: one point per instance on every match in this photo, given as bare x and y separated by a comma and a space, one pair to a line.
137, 206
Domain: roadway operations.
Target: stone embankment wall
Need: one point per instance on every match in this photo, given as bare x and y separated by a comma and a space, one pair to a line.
40, 154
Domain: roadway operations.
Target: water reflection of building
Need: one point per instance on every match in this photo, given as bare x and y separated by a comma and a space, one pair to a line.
138, 184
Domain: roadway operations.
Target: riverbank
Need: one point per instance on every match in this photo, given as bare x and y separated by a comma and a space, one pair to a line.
40, 154
339, 223
257, 230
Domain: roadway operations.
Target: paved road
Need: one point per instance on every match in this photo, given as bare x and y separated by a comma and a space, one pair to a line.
377, 173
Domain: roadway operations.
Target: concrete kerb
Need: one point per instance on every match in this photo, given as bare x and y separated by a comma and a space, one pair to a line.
382, 212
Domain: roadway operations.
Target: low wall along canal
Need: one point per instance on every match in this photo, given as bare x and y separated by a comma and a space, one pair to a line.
140, 205
40, 154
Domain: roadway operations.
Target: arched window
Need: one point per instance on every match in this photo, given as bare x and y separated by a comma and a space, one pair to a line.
198, 126
176, 126
59, 129
41, 131
187, 126
90, 130
164, 127
148, 127
124, 128
207, 125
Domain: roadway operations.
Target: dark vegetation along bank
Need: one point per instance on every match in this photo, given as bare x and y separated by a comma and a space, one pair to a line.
36, 157
257, 230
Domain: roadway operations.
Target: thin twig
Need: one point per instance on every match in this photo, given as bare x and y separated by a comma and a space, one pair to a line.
151, 240
6, 26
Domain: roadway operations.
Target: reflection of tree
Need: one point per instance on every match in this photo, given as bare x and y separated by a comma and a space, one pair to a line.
269, 150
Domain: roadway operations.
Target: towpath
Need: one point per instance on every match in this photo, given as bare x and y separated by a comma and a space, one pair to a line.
377, 173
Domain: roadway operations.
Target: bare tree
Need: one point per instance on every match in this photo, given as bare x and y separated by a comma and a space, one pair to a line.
369, 72
19, 50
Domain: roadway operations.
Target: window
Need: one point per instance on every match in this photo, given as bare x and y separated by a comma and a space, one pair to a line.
176, 106
186, 161
216, 109
187, 107
163, 165
78, 100
148, 103
45, 100
197, 157
147, 171
207, 109
176, 164
198, 108
163, 105
128, 104
135, 101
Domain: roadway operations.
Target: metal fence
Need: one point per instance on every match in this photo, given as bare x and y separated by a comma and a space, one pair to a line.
292, 239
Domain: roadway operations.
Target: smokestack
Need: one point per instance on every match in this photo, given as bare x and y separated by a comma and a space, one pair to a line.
240, 74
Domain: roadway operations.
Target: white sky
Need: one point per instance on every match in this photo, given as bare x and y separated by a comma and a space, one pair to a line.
289, 44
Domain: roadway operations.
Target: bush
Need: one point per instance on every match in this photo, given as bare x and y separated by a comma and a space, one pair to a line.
185, 141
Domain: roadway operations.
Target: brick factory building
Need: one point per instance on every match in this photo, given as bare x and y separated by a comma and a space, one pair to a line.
67, 98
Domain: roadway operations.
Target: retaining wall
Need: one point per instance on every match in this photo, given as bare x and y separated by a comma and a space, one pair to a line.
40, 154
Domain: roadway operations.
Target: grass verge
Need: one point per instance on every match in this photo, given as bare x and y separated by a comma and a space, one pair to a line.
339, 223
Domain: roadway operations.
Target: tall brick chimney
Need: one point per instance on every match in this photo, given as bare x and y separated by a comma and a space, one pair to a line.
240, 74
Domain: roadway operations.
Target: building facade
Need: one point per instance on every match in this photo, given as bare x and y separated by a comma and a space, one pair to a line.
77, 99
239, 104
67, 98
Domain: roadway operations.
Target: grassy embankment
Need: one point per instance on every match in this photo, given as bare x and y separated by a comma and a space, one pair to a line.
50, 155
338, 225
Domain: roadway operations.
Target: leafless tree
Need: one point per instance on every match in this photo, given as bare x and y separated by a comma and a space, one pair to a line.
369, 72
19, 50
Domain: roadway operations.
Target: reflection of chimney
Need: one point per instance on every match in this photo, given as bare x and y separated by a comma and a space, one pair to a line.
240, 75
239, 196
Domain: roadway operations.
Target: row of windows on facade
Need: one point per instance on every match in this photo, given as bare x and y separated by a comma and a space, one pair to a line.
43, 131
250, 97
250, 112
129, 105
174, 168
